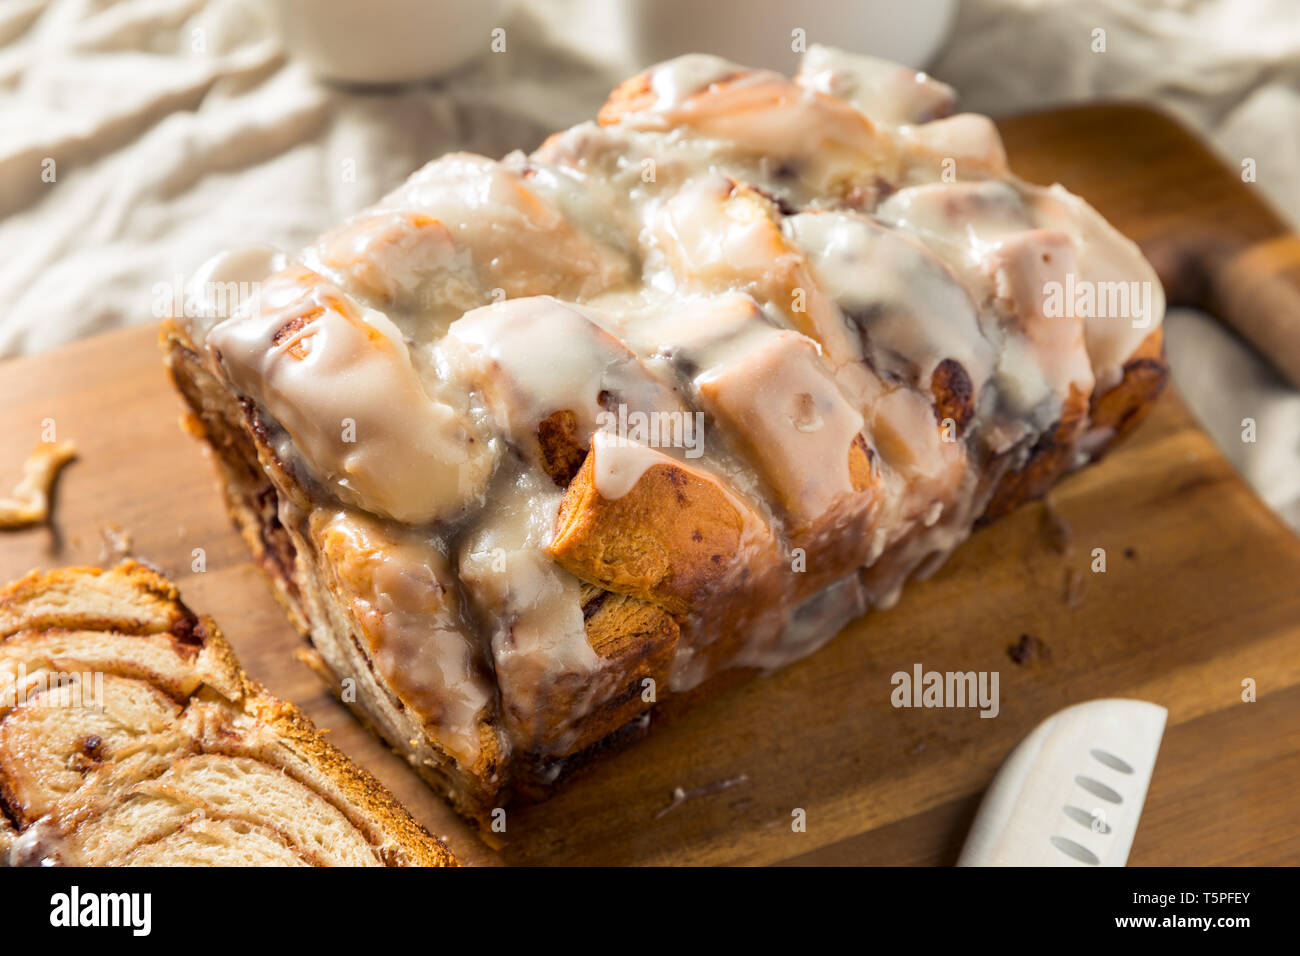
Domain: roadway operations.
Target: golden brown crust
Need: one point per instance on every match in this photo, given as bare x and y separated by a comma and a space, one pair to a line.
635, 642
1124, 406
1109, 415
409, 843
862, 465
130, 599
1051, 456
231, 712
561, 452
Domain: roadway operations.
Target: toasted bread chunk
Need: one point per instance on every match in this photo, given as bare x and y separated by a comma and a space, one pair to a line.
882, 90
560, 452
968, 144
551, 375
669, 538
464, 231
720, 234
403, 596
829, 510
810, 420
634, 642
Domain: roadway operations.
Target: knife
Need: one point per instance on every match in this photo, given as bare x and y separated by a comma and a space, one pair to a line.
1071, 793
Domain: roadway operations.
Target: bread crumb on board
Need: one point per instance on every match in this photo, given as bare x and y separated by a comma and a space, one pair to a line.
29, 504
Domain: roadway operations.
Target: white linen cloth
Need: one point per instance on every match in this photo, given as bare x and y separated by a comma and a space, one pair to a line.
139, 137
177, 129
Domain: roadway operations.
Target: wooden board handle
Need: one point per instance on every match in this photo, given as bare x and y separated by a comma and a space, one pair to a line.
1256, 290
1239, 261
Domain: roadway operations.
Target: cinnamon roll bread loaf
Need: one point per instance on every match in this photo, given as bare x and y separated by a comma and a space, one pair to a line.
532, 444
130, 736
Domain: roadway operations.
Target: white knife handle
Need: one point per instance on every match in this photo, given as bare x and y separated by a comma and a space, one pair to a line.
1071, 793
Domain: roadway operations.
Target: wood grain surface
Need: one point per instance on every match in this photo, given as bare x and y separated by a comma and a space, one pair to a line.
1201, 591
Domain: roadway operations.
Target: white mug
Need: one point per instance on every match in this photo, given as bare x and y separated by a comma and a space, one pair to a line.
386, 41
767, 33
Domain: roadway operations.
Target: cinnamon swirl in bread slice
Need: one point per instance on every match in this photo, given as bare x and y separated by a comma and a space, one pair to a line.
129, 735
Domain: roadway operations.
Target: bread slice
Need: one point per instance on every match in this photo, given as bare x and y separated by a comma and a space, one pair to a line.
129, 735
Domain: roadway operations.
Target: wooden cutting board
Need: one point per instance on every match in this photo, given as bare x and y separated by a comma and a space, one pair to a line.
1201, 591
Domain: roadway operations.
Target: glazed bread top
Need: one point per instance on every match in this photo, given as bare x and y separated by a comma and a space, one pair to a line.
130, 736
817, 317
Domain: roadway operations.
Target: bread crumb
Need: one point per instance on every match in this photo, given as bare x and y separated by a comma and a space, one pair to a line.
1075, 586
115, 544
30, 502
680, 796
1059, 534
1029, 649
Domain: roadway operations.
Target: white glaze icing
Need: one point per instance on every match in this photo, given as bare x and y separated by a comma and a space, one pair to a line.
403, 593
536, 356
220, 286
620, 463
910, 306
781, 403
882, 90
676, 81
535, 632
344, 388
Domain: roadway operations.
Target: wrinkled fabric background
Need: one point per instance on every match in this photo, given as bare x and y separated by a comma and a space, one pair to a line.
139, 137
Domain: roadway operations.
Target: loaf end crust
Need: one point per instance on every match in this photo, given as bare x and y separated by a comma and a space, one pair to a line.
213, 720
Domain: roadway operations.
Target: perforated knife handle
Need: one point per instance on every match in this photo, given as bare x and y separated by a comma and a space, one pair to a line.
1071, 793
